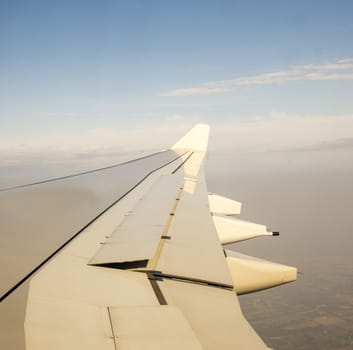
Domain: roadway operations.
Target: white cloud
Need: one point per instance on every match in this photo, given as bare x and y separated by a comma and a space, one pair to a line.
267, 143
338, 70
282, 143
346, 64
326, 76
281, 131
339, 144
195, 91
103, 146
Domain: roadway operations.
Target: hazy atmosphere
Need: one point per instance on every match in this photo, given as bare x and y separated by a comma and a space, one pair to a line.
90, 84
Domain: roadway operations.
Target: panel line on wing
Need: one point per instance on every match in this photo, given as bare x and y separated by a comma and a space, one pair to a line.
79, 174
112, 328
160, 276
153, 262
182, 164
153, 278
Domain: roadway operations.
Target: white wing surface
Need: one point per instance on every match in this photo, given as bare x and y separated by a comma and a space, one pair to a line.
150, 272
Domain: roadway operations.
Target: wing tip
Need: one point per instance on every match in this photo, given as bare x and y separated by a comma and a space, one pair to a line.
196, 139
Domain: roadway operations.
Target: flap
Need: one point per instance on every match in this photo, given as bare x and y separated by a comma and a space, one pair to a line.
152, 328
214, 314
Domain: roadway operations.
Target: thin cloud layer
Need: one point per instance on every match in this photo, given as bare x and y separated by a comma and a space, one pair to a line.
267, 133
282, 132
100, 144
339, 144
338, 70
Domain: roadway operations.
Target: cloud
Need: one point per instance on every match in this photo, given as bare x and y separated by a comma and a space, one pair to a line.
282, 142
281, 132
100, 145
279, 142
338, 144
195, 91
338, 70
325, 76
104, 146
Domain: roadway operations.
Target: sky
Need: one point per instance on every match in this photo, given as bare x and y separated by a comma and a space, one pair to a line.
83, 78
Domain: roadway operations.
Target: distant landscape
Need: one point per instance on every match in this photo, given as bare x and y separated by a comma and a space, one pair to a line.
312, 211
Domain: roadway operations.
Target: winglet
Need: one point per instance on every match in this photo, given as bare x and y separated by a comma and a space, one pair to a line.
196, 139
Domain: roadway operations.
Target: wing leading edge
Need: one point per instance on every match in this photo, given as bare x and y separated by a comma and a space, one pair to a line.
150, 272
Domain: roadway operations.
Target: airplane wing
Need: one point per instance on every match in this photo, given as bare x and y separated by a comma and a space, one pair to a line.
150, 271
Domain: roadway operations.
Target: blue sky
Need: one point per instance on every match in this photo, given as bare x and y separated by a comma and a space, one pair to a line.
70, 67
